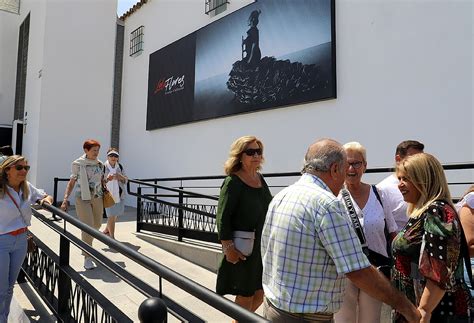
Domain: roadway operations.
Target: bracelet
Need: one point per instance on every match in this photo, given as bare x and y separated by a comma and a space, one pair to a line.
227, 247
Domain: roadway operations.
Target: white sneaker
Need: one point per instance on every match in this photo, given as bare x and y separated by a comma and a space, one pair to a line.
88, 263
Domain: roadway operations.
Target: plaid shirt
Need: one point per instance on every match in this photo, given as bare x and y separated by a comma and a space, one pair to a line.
308, 244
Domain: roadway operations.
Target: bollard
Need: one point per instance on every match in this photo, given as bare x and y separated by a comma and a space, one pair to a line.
153, 310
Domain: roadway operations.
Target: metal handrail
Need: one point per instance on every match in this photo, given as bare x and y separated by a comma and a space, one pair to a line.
177, 190
186, 284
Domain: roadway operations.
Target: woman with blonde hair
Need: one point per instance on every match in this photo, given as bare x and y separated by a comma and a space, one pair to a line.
16, 197
241, 210
428, 252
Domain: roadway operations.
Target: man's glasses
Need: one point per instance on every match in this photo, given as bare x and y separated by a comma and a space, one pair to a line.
252, 151
21, 167
356, 165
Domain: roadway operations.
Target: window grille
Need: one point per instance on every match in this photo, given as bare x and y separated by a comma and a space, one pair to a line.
136, 41
215, 7
12, 6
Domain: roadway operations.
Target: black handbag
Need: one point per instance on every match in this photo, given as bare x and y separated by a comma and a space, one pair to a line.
382, 263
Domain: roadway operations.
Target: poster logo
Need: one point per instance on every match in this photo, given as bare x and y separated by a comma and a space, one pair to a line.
170, 85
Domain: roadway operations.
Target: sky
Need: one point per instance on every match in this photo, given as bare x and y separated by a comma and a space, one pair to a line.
124, 5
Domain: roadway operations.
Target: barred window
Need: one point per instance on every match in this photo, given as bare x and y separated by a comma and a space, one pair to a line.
12, 6
215, 7
136, 41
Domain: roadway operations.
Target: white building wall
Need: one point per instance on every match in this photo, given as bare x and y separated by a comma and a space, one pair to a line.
404, 71
69, 82
9, 24
33, 89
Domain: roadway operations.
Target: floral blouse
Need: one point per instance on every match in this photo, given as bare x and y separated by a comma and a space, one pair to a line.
429, 247
94, 177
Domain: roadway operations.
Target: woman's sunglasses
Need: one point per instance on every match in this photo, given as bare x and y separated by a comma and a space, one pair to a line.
252, 151
21, 167
112, 155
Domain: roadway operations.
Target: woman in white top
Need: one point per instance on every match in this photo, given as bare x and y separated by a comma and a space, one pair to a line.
115, 180
357, 306
16, 197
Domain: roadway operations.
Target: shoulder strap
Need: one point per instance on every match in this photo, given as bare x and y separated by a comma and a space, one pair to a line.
377, 195
355, 220
121, 167
385, 229
17, 206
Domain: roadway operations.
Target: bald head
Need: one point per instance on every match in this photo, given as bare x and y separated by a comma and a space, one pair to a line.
322, 154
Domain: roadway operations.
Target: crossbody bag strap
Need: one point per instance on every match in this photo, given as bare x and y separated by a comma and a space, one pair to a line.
385, 229
355, 220
17, 206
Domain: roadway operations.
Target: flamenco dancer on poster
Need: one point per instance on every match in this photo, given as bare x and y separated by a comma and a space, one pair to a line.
256, 80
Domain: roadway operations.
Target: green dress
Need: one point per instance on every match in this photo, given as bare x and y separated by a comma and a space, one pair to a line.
241, 207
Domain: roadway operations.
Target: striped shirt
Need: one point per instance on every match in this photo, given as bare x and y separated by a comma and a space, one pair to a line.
308, 245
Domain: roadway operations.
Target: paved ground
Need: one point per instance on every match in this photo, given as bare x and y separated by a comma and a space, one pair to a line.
115, 289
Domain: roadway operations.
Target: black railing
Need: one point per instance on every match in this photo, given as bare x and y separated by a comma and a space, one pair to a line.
72, 299
186, 207
174, 214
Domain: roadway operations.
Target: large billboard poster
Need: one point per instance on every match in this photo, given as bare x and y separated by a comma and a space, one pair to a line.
269, 54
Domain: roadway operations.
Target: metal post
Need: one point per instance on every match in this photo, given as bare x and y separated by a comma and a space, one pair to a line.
155, 191
55, 192
139, 208
180, 215
153, 310
64, 281
55, 198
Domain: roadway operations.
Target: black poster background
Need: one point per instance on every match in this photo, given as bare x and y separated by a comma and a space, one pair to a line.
297, 44
173, 105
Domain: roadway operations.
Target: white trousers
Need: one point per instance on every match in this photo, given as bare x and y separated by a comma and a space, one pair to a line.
358, 307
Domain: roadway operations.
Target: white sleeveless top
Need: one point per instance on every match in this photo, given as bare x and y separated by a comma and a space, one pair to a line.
468, 200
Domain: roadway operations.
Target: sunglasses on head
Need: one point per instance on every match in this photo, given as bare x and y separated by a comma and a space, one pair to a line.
21, 167
253, 151
113, 155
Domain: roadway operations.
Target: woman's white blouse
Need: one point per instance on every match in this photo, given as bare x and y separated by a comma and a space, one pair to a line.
10, 218
372, 218
468, 200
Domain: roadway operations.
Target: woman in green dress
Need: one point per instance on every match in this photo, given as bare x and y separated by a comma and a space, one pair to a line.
428, 252
242, 206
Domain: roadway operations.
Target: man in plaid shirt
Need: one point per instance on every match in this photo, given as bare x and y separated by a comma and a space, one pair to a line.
309, 246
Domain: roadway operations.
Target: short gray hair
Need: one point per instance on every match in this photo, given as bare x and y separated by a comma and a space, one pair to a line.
356, 147
322, 154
